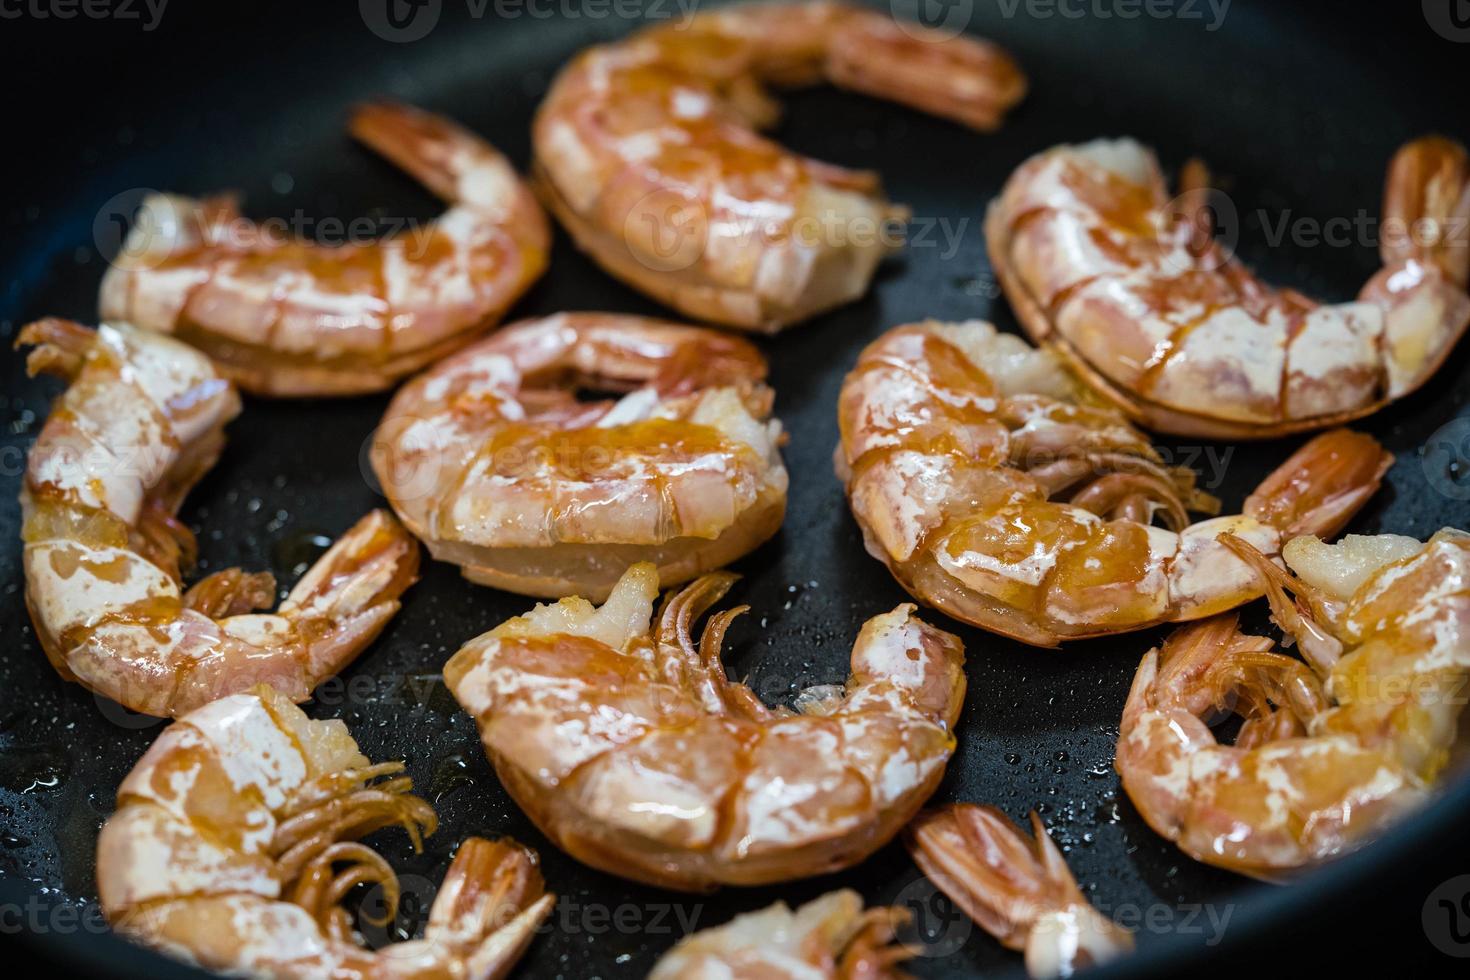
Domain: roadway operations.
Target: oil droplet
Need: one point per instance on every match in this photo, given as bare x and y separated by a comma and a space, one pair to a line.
450, 773
295, 552
30, 769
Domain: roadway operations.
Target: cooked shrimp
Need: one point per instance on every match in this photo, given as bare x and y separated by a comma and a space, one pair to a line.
1100, 266
828, 938
286, 316
647, 152
235, 840
1334, 747
492, 460
631, 749
1018, 888
141, 421
997, 492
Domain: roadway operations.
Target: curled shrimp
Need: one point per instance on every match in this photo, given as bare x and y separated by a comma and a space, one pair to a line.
140, 422
235, 841
1166, 324
1017, 888
633, 752
288, 317
1335, 746
829, 938
996, 491
493, 461
647, 152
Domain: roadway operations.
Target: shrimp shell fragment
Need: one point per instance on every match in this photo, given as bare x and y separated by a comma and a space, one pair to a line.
995, 489
494, 462
632, 751
234, 843
1336, 746
829, 938
1169, 326
647, 152
1017, 888
141, 421
288, 317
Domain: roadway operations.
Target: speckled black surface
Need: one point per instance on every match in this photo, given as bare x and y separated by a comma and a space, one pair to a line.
1294, 109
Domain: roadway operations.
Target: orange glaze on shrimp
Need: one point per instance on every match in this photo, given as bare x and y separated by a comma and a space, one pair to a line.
282, 316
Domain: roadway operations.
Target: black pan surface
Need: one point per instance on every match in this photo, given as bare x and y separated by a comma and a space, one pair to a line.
1296, 108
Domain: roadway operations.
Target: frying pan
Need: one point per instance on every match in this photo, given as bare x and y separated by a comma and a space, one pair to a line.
1297, 108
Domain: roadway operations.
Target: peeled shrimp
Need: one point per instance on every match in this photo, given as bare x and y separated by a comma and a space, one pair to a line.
1018, 888
141, 421
235, 841
286, 316
828, 938
1100, 266
647, 152
632, 751
1335, 746
492, 460
994, 490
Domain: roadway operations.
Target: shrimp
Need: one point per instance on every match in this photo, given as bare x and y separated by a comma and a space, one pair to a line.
635, 754
235, 840
1334, 747
1017, 888
997, 491
283, 316
646, 151
1170, 327
829, 938
141, 421
491, 459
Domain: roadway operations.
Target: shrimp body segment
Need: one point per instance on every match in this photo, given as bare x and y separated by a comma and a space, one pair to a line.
1334, 746
493, 461
1168, 325
140, 422
235, 840
286, 316
996, 490
829, 938
630, 748
647, 151
1017, 888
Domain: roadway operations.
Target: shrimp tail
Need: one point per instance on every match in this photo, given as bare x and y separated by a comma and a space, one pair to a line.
434, 151
59, 346
1016, 887
490, 904
1322, 485
355, 587
1427, 196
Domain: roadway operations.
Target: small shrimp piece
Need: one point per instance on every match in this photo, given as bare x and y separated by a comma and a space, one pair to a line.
997, 491
828, 938
632, 751
1160, 319
283, 316
496, 464
235, 840
647, 151
1334, 747
140, 422
1017, 888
